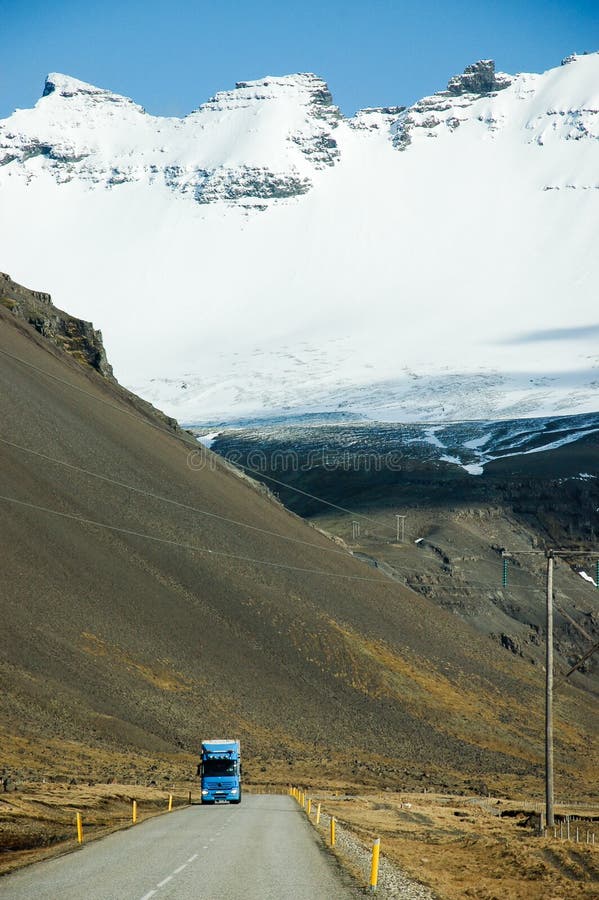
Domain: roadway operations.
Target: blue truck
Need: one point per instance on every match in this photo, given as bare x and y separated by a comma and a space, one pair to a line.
220, 771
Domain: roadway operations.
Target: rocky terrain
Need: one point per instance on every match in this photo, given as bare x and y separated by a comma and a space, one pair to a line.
78, 338
534, 485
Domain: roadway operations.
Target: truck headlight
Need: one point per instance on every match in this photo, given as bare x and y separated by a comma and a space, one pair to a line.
233, 790
204, 792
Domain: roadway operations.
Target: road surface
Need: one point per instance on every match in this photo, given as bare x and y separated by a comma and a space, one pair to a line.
261, 849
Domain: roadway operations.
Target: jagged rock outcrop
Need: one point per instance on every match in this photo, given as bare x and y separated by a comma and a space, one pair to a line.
451, 107
78, 338
479, 78
376, 118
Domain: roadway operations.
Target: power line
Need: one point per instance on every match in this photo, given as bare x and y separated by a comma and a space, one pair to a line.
499, 586
91, 396
193, 443
182, 436
159, 497
192, 547
297, 490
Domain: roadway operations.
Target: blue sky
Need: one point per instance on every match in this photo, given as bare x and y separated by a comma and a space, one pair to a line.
171, 56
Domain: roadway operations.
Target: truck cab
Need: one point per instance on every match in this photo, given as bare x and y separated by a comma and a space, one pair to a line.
220, 771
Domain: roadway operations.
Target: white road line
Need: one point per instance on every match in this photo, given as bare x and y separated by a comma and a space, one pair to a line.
148, 895
180, 869
165, 881
205, 848
191, 858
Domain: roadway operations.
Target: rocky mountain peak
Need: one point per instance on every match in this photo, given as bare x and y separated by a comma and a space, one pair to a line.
64, 87
478, 78
303, 82
303, 89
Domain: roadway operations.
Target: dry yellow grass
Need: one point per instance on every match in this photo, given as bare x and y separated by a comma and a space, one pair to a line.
161, 676
465, 848
40, 820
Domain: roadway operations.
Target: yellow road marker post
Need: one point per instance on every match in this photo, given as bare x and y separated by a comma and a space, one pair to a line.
309, 807
170, 802
318, 814
374, 867
134, 812
79, 829
332, 831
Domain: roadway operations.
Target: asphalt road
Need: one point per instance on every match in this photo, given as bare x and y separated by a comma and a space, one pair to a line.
262, 848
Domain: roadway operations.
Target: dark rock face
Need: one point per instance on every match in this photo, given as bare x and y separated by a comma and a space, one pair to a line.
78, 338
479, 78
248, 182
49, 88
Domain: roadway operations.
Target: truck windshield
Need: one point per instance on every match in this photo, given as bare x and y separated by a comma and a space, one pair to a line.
219, 767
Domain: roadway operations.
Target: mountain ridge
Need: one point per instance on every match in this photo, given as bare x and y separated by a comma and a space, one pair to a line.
432, 263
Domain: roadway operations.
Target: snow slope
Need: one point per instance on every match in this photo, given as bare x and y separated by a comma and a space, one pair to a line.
266, 256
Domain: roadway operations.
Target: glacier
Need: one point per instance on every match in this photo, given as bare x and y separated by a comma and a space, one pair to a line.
265, 256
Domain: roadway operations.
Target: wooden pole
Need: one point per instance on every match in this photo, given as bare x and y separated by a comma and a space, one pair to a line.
549, 696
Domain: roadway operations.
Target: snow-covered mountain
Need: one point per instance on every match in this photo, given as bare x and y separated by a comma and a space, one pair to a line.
265, 255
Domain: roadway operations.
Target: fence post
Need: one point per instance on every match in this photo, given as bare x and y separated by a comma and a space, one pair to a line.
318, 814
134, 812
374, 867
332, 831
79, 829
309, 806
170, 802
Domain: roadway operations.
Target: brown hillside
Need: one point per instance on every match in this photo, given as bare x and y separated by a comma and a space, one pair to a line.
113, 642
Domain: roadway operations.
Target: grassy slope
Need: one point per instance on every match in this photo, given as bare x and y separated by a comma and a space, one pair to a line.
112, 641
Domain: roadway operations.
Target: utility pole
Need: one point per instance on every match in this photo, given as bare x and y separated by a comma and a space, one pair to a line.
549, 817
550, 555
401, 519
